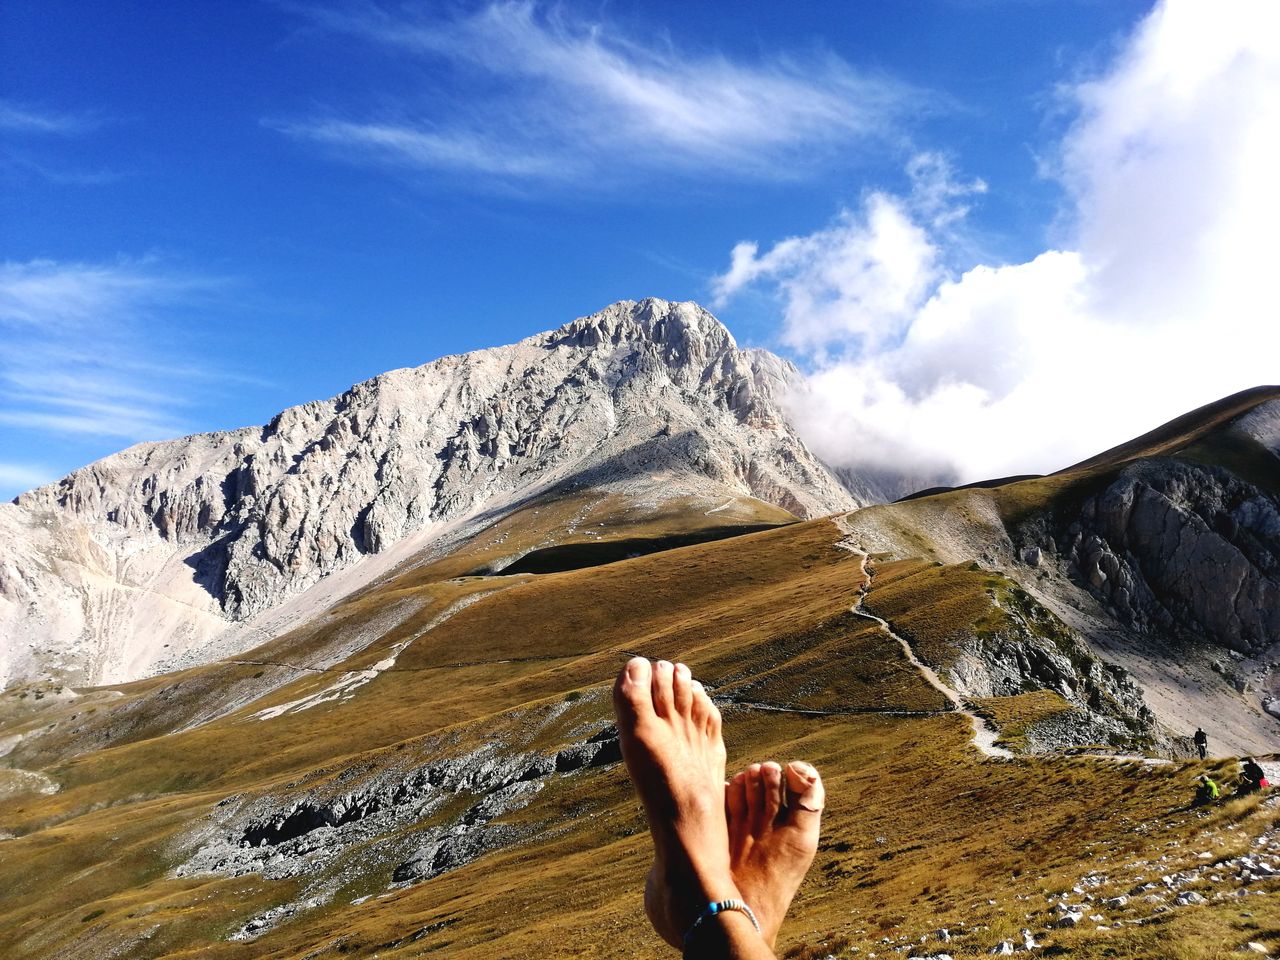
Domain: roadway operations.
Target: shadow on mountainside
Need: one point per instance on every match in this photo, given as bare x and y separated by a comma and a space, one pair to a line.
222, 570
578, 556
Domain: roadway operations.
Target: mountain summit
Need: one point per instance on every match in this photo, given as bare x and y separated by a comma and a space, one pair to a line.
369, 760
179, 541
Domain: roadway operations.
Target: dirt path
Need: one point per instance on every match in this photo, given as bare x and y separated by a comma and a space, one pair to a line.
850, 712
984, 737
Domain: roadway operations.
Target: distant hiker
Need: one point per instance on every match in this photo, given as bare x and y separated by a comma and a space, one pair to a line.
1202, 742
1252, 777
1207, 791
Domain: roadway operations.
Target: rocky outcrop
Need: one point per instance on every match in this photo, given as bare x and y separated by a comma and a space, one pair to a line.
637, 387
1181, 547
873, 485
418, 823
1026, 648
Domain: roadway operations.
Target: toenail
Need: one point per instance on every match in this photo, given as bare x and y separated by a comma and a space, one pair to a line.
806, 771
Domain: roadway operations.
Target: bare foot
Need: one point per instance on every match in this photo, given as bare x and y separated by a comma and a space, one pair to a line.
670, 732
774, 815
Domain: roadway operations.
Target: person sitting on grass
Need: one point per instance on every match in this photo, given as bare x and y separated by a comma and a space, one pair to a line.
728, 857
1252, 777
1207, 791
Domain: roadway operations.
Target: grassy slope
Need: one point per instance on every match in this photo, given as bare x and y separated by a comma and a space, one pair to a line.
921, 831
1190, 428
1201, 436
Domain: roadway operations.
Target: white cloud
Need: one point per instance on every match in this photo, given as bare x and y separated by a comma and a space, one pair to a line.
1164, 300
24, 476
862, 280
48, 295
84, 349
563, 96
863, 277
416, 148
18, 118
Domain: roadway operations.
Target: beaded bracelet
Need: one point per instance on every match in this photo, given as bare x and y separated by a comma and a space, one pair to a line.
720, 906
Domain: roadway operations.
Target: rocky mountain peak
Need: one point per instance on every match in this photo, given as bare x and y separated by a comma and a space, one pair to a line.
681, 342
649, 398
684, 327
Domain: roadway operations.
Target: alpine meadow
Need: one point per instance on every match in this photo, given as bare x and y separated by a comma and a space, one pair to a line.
812, 488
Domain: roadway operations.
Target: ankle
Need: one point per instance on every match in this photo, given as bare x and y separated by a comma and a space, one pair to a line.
723, 922
701, 884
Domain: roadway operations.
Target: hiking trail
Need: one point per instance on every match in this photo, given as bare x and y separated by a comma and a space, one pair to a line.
984, 736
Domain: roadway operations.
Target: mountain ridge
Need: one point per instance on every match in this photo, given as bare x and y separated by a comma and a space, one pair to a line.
371, 775
650, 398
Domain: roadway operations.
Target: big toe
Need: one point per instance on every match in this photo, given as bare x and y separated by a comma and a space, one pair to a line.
633, 691
805, 794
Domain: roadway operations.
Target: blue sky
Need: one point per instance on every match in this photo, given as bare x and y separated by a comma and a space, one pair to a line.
209, 212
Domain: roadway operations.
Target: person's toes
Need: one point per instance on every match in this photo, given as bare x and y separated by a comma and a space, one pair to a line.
805, 793
755, 797
735, 797
682, 690
771, 776
633, 690
701, 706
713, 720
663, 688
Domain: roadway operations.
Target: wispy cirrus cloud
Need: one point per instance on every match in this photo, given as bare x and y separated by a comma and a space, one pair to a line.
88, 349
16, 118
33, 141
541, 94
24, 476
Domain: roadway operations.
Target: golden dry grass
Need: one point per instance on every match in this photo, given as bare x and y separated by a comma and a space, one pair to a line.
935, 607
1015, 717
921, 831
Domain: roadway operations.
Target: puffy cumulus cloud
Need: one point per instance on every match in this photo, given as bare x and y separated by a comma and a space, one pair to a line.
864, 277
1162, 301
1174, 159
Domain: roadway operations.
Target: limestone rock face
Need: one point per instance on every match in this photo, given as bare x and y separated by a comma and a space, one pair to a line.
649, 398
1174, 545
1185, 546
878, 485
1031, 649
